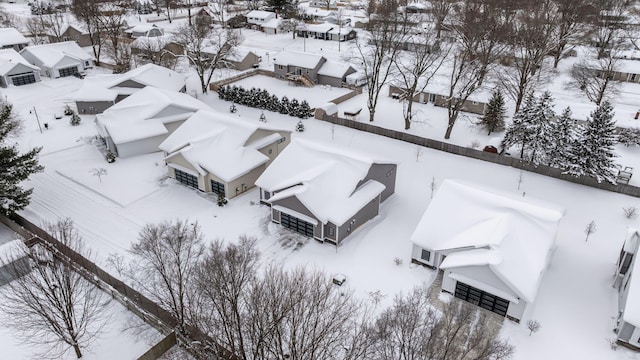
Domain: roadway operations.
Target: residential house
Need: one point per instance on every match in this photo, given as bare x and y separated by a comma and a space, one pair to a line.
144, 30
12, 38
58, 59
157, 49
334, 73
214, 152
628, 283
495, 250
327, 31
141, 122
290, 64
265, 21
476, 103
323, 4
72, 33
98, 93
16, 70
241, 59
325, 191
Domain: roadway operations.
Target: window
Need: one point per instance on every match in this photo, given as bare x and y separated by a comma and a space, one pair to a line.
626, 262
280, 67
270, 151
186, 179
282, 140
332, 231
426, 255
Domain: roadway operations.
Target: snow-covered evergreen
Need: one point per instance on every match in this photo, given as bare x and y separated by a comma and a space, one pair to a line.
540, 128
493, 119
594, 152
563, 131
518, 132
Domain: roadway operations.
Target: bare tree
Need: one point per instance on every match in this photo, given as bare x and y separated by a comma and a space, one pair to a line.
55, 23
37, 29
533, 326
590, 229
377, 49
595, 76
530, 41
147, 50
418, 66
477, 25
53, 304
166, 258
413, 329
111, 27
98, 172
87, 12
440, 10
206, 48
609, 23
570, 22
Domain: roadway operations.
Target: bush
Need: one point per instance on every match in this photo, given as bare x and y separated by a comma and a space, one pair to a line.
75, 119
68, 110
262, 99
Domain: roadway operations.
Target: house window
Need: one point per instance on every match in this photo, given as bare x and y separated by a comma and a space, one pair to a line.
270, 151
426, 255
280, 67
626, 262
633, 77
282, 140
332, 231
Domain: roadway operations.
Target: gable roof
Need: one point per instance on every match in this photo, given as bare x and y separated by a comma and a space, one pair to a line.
260, 14
9, 58
208, 132
511, 235
335, 69
11, 36
324, 177
139, 116
51, 54
303, 60
153, 75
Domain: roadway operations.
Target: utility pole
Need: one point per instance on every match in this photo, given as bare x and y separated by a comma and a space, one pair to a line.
37, 119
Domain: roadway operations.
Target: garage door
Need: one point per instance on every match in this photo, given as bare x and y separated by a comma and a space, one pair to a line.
68, 71
481, 298
186, 179
23, 79
295, 224
217, 187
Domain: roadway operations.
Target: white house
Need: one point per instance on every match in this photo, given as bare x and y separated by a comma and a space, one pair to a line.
493, 247
98, 93
138, 124
12, 38
324, 191
58, 59
15, 70
265, 21
144, 30
628, 284
214, 152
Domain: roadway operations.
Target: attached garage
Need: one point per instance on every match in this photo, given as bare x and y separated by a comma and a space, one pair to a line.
23, 79
296, 224
186, 179
68, 71
481, 298
217, 187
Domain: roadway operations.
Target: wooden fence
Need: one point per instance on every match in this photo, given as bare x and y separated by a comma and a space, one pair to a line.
477, 154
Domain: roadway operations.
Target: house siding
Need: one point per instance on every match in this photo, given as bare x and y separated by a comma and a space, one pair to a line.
384, 174
139, 147
294, 204
178, 159
93, 107
291, 69
240, 185
246, 63
625, 331
368, 212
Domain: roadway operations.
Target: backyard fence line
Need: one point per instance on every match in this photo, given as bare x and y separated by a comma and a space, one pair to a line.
148, 310
624, 189
160, 348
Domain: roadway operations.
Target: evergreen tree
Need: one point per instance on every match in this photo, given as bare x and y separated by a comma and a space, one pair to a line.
75, 119
300, 126
274, 104
221, 93
264, 97
304, 111
14, 167
284, 105
518, 132
594, 153
493, 119
294, 107
564, 134
540, 128
629, 137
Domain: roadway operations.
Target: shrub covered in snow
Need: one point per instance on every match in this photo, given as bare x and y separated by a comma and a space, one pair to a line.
261, 99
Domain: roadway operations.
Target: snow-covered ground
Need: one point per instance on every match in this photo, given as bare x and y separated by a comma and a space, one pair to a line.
576, 304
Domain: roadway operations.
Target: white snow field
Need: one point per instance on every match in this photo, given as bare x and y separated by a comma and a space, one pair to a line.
575, 304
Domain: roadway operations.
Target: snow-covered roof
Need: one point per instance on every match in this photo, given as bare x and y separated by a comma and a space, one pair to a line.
324, 178
51, 54
139, 116
238, 54
153, 75
320, 28
299, 59
271, 23
209, 132
9, 58
154, 43
335, 69
79, 28
260, 14
141, 28
11, 36
480, 227
318, 13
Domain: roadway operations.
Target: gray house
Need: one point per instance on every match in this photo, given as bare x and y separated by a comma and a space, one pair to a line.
243, 151
298, 66
99, 93
72, 33
334, 73
628, 284
496, 254
15, 70
323, 191
12, 38
477, 103
241, 59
